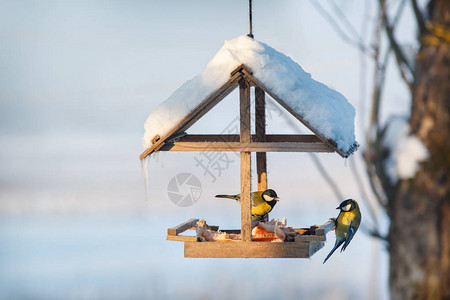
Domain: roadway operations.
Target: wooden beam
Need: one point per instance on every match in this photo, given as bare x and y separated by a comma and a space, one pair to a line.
325, 228
247, 147
310, 238
247, 249
182, 227
246, 203
205, 106
260, 133
245, 137
239, 69
244, 95
282, 138
181, 238
256, 82
314, 247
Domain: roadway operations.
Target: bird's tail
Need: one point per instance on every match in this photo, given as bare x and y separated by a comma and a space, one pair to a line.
336, 245
234, 197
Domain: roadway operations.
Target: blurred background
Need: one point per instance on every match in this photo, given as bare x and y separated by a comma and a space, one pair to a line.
79, 78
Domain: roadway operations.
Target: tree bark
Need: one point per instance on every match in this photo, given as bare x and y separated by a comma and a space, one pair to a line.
419, 236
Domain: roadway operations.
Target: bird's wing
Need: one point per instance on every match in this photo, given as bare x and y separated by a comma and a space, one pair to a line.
351, 232
257, 198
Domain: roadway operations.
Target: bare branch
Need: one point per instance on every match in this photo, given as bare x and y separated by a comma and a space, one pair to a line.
346, 22
327, 177
363, 72
373, 232
400, 57
419, 17
370, 155
362, 192
334, 187
334, 24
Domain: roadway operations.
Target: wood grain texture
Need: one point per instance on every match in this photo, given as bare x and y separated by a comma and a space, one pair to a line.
205, 106
314, 247
325, 228
256, 82
247, 249
247, 147
244, 105
310, 238
245, 137
260, 136
246, 204
240, 68
182, 227
181, 238
242, 73
274, 138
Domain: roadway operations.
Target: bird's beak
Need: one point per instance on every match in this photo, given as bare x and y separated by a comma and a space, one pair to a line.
276, 199
337, 207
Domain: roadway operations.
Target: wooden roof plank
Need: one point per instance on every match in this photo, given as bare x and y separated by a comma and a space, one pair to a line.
281, 138
248, 147
205, 106
240, 68
256, 82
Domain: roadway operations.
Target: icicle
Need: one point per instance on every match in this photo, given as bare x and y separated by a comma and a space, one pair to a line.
160, 158
144, 165
163, 159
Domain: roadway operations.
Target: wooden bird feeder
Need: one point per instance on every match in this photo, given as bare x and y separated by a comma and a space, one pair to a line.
311, 239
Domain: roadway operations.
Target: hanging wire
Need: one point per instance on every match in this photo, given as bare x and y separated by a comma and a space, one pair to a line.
250, 18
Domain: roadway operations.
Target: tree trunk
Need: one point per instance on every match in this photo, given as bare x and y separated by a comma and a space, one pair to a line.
419, 237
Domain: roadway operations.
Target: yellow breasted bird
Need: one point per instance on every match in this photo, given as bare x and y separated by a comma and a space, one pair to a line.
262, 202
347, 224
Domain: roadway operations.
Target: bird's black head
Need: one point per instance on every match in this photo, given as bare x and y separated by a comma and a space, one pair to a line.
347, 205
270, 195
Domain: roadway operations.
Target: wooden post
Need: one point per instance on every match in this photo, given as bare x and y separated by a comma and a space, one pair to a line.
245, 136
260, 132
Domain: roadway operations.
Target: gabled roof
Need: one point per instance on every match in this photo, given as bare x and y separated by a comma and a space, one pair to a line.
324, 111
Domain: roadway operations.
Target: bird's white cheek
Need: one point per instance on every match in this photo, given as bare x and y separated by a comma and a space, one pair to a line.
347, 207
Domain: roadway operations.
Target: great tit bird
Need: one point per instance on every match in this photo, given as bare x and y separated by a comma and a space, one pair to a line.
347, 224
262, 202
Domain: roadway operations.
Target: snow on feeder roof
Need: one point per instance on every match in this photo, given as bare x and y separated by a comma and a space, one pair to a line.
244, 62
323, 110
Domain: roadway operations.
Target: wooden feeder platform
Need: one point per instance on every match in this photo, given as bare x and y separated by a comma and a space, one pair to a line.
306, 243
309, 240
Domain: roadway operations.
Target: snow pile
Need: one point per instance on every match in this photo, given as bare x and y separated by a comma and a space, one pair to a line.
326, 110
405, 151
